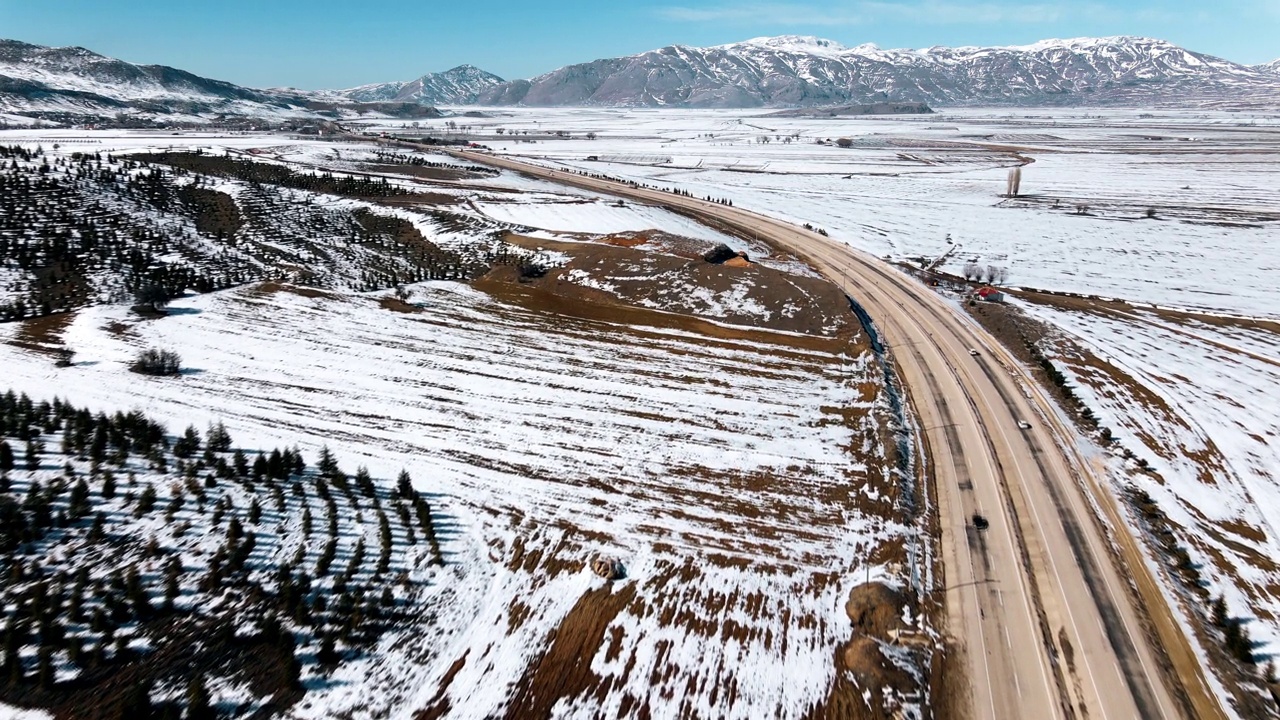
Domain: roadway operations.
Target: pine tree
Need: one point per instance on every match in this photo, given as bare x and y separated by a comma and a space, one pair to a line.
404, 485
198, 700
136, 593
34, 448
365, 483
6, 457
327, 655
146, 501
99, 529
299, 465
235, 530
327, 465
172, 574
326, 558
187, 445
1220, 612
78, 505
44, 668
218, 438
136, 702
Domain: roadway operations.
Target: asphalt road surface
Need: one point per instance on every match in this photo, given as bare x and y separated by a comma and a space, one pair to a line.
1046, 624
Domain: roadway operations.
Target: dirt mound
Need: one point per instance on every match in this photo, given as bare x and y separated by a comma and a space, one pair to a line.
750, 295
720, 253
875, 609
870, 686
863, 657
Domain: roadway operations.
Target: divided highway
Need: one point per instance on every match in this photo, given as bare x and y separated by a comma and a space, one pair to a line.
1044, 620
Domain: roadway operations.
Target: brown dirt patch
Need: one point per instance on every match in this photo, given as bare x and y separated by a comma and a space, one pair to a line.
395, 304
501, 284
43, 334
215, 213
271, 287
439, 705
425, 172
750, 295
564, 670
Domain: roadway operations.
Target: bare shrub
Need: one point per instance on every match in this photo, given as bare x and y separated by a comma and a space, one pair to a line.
157, 362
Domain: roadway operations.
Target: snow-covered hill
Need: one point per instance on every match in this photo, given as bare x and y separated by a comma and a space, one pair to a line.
802, 71
459, 86
72, 83
72, 79
1271, 67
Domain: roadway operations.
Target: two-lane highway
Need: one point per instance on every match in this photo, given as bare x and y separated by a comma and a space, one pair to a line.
1048, 626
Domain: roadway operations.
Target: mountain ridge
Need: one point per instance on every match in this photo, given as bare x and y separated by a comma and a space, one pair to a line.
785, 71
73, 83
460, 85
801, 71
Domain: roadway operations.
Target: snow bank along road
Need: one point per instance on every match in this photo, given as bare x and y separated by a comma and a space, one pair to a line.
1047, 626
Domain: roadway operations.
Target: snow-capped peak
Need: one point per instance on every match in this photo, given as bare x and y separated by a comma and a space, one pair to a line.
799, 44
1089, 43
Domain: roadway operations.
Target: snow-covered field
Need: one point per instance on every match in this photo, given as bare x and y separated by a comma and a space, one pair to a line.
1197, 402
1181, 210
906, 183
748, 469
535, 448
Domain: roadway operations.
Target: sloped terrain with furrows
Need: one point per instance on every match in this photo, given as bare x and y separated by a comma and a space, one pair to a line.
147, 572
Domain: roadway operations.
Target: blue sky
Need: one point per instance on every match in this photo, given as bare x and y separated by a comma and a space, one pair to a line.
324, 44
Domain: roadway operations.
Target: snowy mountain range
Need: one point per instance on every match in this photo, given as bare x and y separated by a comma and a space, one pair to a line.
785, 71
459, 86
73, 83
806, 71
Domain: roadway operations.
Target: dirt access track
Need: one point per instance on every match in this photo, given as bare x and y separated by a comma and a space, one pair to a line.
1045, 621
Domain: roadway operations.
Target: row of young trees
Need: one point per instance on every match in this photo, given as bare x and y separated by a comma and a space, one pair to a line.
975, 272
252, 171
422, 161
78, 597
66, 227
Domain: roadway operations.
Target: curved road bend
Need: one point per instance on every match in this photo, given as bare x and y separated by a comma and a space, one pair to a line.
1044, 620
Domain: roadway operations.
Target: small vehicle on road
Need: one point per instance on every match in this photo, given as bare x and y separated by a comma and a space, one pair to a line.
980, 521
973, 352
1024, 424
